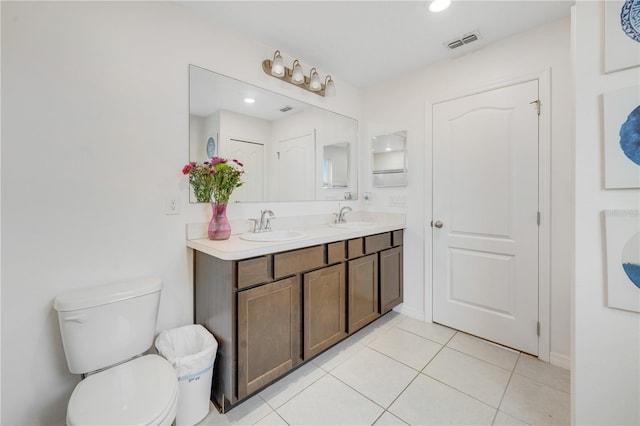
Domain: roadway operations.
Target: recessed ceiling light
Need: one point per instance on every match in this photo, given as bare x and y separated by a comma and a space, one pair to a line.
387, 148
439, 5
249, 100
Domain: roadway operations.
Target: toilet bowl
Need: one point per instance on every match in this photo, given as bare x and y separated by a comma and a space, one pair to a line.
105, 332
139, 392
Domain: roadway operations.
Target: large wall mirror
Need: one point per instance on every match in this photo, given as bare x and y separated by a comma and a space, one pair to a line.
291, 151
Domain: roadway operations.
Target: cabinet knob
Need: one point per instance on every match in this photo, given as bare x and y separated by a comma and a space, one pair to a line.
437, 224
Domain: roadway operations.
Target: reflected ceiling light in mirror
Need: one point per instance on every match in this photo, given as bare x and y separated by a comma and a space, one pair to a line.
249, 100
295, 75
439, 5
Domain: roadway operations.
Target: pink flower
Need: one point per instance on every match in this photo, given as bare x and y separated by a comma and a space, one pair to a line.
217, 160
238, 163
186, 169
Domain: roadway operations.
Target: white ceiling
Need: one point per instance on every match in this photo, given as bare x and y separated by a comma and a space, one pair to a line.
368, 42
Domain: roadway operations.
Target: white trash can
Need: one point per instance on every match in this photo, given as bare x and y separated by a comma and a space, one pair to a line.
191, 349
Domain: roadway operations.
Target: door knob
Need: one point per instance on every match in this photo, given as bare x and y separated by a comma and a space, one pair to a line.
437, 224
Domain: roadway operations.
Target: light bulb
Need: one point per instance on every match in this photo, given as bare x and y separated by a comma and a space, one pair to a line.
329, 87
277, 68
297, 76
314, 81
439, 5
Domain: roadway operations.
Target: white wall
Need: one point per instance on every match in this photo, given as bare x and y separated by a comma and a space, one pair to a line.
94, 136
400, 105
606, 364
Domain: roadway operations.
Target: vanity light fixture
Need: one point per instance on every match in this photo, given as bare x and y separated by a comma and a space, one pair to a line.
294, 75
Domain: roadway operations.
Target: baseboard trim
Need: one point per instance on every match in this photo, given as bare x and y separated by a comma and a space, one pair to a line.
410, 312
560, 360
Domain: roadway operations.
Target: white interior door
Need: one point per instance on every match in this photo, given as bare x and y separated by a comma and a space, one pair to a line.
296, 168
251, 155
485, 215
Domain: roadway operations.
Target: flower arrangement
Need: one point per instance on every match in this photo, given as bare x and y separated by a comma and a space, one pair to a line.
214, 180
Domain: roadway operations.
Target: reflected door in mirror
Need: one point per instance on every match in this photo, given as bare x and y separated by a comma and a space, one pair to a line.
296, 169
251, 154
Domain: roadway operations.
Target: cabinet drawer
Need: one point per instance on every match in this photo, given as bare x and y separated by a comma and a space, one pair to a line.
374, 243
355, 248
335, 252
396, 237
297, 261
254, 271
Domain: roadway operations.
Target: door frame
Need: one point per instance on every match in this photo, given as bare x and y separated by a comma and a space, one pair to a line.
544, 198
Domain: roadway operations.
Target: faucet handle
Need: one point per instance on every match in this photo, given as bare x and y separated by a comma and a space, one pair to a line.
267, 226
255, 223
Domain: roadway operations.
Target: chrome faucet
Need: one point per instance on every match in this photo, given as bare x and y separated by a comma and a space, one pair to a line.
341, 215
264, 223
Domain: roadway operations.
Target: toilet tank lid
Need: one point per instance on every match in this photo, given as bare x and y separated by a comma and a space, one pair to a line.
108, 293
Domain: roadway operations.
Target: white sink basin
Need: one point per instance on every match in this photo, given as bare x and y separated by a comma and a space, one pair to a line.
353, 225
273, 236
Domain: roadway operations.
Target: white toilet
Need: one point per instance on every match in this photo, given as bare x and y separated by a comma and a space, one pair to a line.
104, 330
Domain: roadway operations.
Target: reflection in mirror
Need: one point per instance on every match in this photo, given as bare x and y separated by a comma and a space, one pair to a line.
389, 159
335, 165
284, 144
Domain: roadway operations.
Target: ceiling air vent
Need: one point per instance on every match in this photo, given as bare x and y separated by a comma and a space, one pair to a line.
454, 44
465, 39
285, 109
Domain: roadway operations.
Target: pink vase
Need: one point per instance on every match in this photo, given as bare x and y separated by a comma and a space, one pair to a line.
219, 227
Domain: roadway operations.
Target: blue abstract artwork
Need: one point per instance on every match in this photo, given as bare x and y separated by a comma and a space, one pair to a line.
630, 19
622, 236
631, 259
630, 136
621, 111
621, 34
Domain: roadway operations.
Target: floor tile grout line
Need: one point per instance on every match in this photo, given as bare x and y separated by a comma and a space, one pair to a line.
297, 393
273, 410
541, 382
399, 395
480, 359
513, 372
359, 393
458, 390
426, 338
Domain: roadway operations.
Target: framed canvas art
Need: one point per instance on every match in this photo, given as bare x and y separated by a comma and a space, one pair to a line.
622, 235
621, 34
621, 109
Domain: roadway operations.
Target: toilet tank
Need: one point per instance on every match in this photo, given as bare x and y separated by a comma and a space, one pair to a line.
105, 325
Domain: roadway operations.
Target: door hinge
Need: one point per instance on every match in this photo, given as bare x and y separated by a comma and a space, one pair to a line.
537, 102
278, 153
538, 328
538, 218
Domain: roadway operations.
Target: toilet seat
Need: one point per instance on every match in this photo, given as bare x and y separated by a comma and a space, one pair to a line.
143, 391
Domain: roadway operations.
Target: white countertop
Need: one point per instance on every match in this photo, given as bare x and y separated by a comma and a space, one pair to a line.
236, 248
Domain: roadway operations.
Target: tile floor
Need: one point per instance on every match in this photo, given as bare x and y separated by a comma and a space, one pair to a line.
402, 371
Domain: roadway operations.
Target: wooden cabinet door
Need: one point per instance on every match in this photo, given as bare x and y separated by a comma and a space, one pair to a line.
363, 291
324, 309
390, 279
268, 333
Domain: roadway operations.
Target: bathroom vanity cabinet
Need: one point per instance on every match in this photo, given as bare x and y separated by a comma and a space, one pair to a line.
273, 312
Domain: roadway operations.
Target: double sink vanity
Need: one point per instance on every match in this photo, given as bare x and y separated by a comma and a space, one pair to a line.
274, 300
